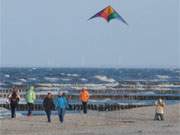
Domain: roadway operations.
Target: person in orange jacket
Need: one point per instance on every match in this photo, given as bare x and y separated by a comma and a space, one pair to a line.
84, 97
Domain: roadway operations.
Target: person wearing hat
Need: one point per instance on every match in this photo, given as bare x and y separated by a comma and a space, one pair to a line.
61, 105
159, 110
48, 105
84, 97
30, 99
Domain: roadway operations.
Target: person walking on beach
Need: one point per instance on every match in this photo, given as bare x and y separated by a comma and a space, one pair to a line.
48, 105
84, 97
159, 110
61, 105
14, 100
30, 99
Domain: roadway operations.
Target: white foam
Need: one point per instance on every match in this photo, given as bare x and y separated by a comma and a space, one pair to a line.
84, 79
17, 83
75, 86
32, 79
23, 80
163, 77
72, 75
5, 113
168, 85
104, 78
2, 84
51, 79
148, 93
177, 71
63, 74
7, 75
3, 100
65, 79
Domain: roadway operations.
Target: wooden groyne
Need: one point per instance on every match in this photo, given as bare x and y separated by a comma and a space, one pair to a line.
78, 107
98, 95
116, 95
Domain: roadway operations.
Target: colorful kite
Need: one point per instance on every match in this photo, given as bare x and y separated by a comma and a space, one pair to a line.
108, 14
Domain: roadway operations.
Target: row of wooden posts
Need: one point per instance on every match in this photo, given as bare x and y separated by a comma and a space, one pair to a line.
78, 107
133, 96
99, 107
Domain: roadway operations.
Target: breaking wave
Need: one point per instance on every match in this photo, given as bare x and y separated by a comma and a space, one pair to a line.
32, 79
7, 75
72, 75
51, 79
17, 83
104, 78
84, 80
23, 80
65, 79
163, 77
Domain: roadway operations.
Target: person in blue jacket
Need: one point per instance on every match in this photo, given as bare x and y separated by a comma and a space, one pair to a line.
61, 104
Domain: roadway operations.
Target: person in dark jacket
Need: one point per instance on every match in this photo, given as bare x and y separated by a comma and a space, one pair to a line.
14, 100
48, 105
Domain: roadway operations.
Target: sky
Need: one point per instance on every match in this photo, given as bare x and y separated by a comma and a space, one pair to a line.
57, 33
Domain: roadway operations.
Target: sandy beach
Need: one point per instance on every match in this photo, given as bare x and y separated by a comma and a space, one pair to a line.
138, 121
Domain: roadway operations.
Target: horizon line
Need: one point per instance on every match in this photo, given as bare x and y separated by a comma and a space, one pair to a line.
93, 67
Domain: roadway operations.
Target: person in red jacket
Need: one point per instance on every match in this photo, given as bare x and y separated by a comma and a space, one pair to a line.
84, 97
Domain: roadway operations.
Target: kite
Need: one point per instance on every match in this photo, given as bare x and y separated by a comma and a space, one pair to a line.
108, 14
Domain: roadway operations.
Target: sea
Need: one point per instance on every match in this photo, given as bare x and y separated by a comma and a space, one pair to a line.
93, 77
29, 76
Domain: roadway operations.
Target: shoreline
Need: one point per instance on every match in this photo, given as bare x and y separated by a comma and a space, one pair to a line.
132, 121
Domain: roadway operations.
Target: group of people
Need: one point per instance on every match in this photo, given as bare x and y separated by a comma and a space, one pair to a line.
14, 99
49, 103
61, 103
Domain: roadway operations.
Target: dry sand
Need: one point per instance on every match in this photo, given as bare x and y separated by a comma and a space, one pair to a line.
137, 121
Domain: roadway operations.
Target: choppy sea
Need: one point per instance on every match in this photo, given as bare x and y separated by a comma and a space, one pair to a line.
27, 76
94, 76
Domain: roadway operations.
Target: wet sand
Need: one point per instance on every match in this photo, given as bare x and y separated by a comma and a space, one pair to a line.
138, 121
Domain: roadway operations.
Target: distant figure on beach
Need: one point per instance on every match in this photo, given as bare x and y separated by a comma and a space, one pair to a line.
159, 110
69, 100
14, 100
30, 99
61, 105
84, 97
48, 105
